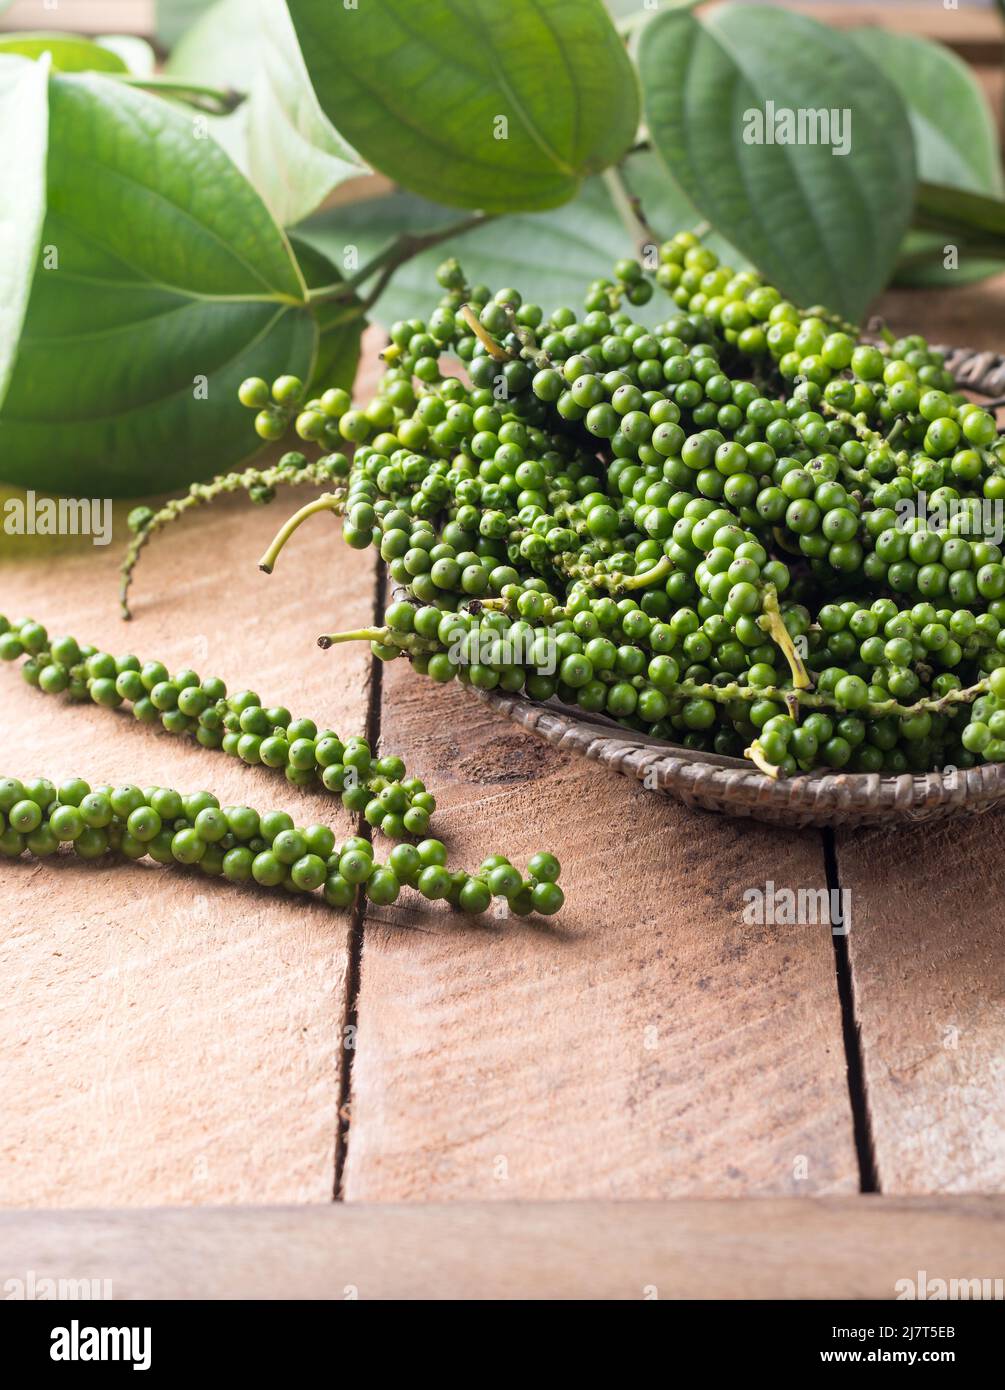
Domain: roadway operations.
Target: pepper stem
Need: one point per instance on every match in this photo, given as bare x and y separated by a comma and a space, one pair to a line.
773, 624
327, 502
615, 583
483, 335
655, 575
756, 755
409, 643
360, 634
259, 483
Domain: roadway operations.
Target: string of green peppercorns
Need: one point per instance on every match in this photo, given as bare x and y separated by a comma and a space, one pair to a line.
379, 788
242, 846
292, 470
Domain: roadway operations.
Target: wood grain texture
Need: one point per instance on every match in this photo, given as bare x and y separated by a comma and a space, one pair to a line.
927, 947
83, 17
165, 1038
927, 944
974, 32
644, 1043
959, 315
836, 1248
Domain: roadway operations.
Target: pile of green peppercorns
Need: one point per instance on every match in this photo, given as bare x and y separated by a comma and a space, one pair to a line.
744, 529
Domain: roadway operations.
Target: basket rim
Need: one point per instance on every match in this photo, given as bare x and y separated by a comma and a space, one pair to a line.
668, 767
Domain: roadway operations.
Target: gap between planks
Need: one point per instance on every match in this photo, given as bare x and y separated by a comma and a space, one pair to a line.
852, 1037
354, 964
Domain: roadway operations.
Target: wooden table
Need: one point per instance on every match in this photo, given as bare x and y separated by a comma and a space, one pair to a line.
568, 1088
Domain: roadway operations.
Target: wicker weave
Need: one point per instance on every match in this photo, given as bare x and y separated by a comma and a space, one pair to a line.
732, 786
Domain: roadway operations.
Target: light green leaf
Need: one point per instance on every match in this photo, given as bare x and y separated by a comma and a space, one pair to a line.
956, 143
475, 103
279, 137
68, 52
824, 227
135, 52
954, 131
549, 256
162, 283
175, 16
24, 115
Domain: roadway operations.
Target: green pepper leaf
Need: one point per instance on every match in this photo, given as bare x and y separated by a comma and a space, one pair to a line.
551, 256
162, 282
68, 52
979, 220
279, 136
960, 150
954, 131
23, 108
340, 323
175, 16
923, 262
737, 105
476, 104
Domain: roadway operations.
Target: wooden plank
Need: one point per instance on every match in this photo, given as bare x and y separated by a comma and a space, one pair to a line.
644, 1043
992, 81
82, 16
927, 948
838, 1248
959, 315
164, 1039
927, 944
974, 32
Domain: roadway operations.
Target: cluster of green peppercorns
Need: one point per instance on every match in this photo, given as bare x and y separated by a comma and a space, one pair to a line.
743, 529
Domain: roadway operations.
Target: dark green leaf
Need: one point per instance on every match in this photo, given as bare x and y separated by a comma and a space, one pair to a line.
980, 221
162, 283
954, 133
340, 323
950, 224
24, 107
823, 226
922, 263
475, 103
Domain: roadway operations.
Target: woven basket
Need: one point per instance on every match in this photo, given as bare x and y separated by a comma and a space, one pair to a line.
732, 786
